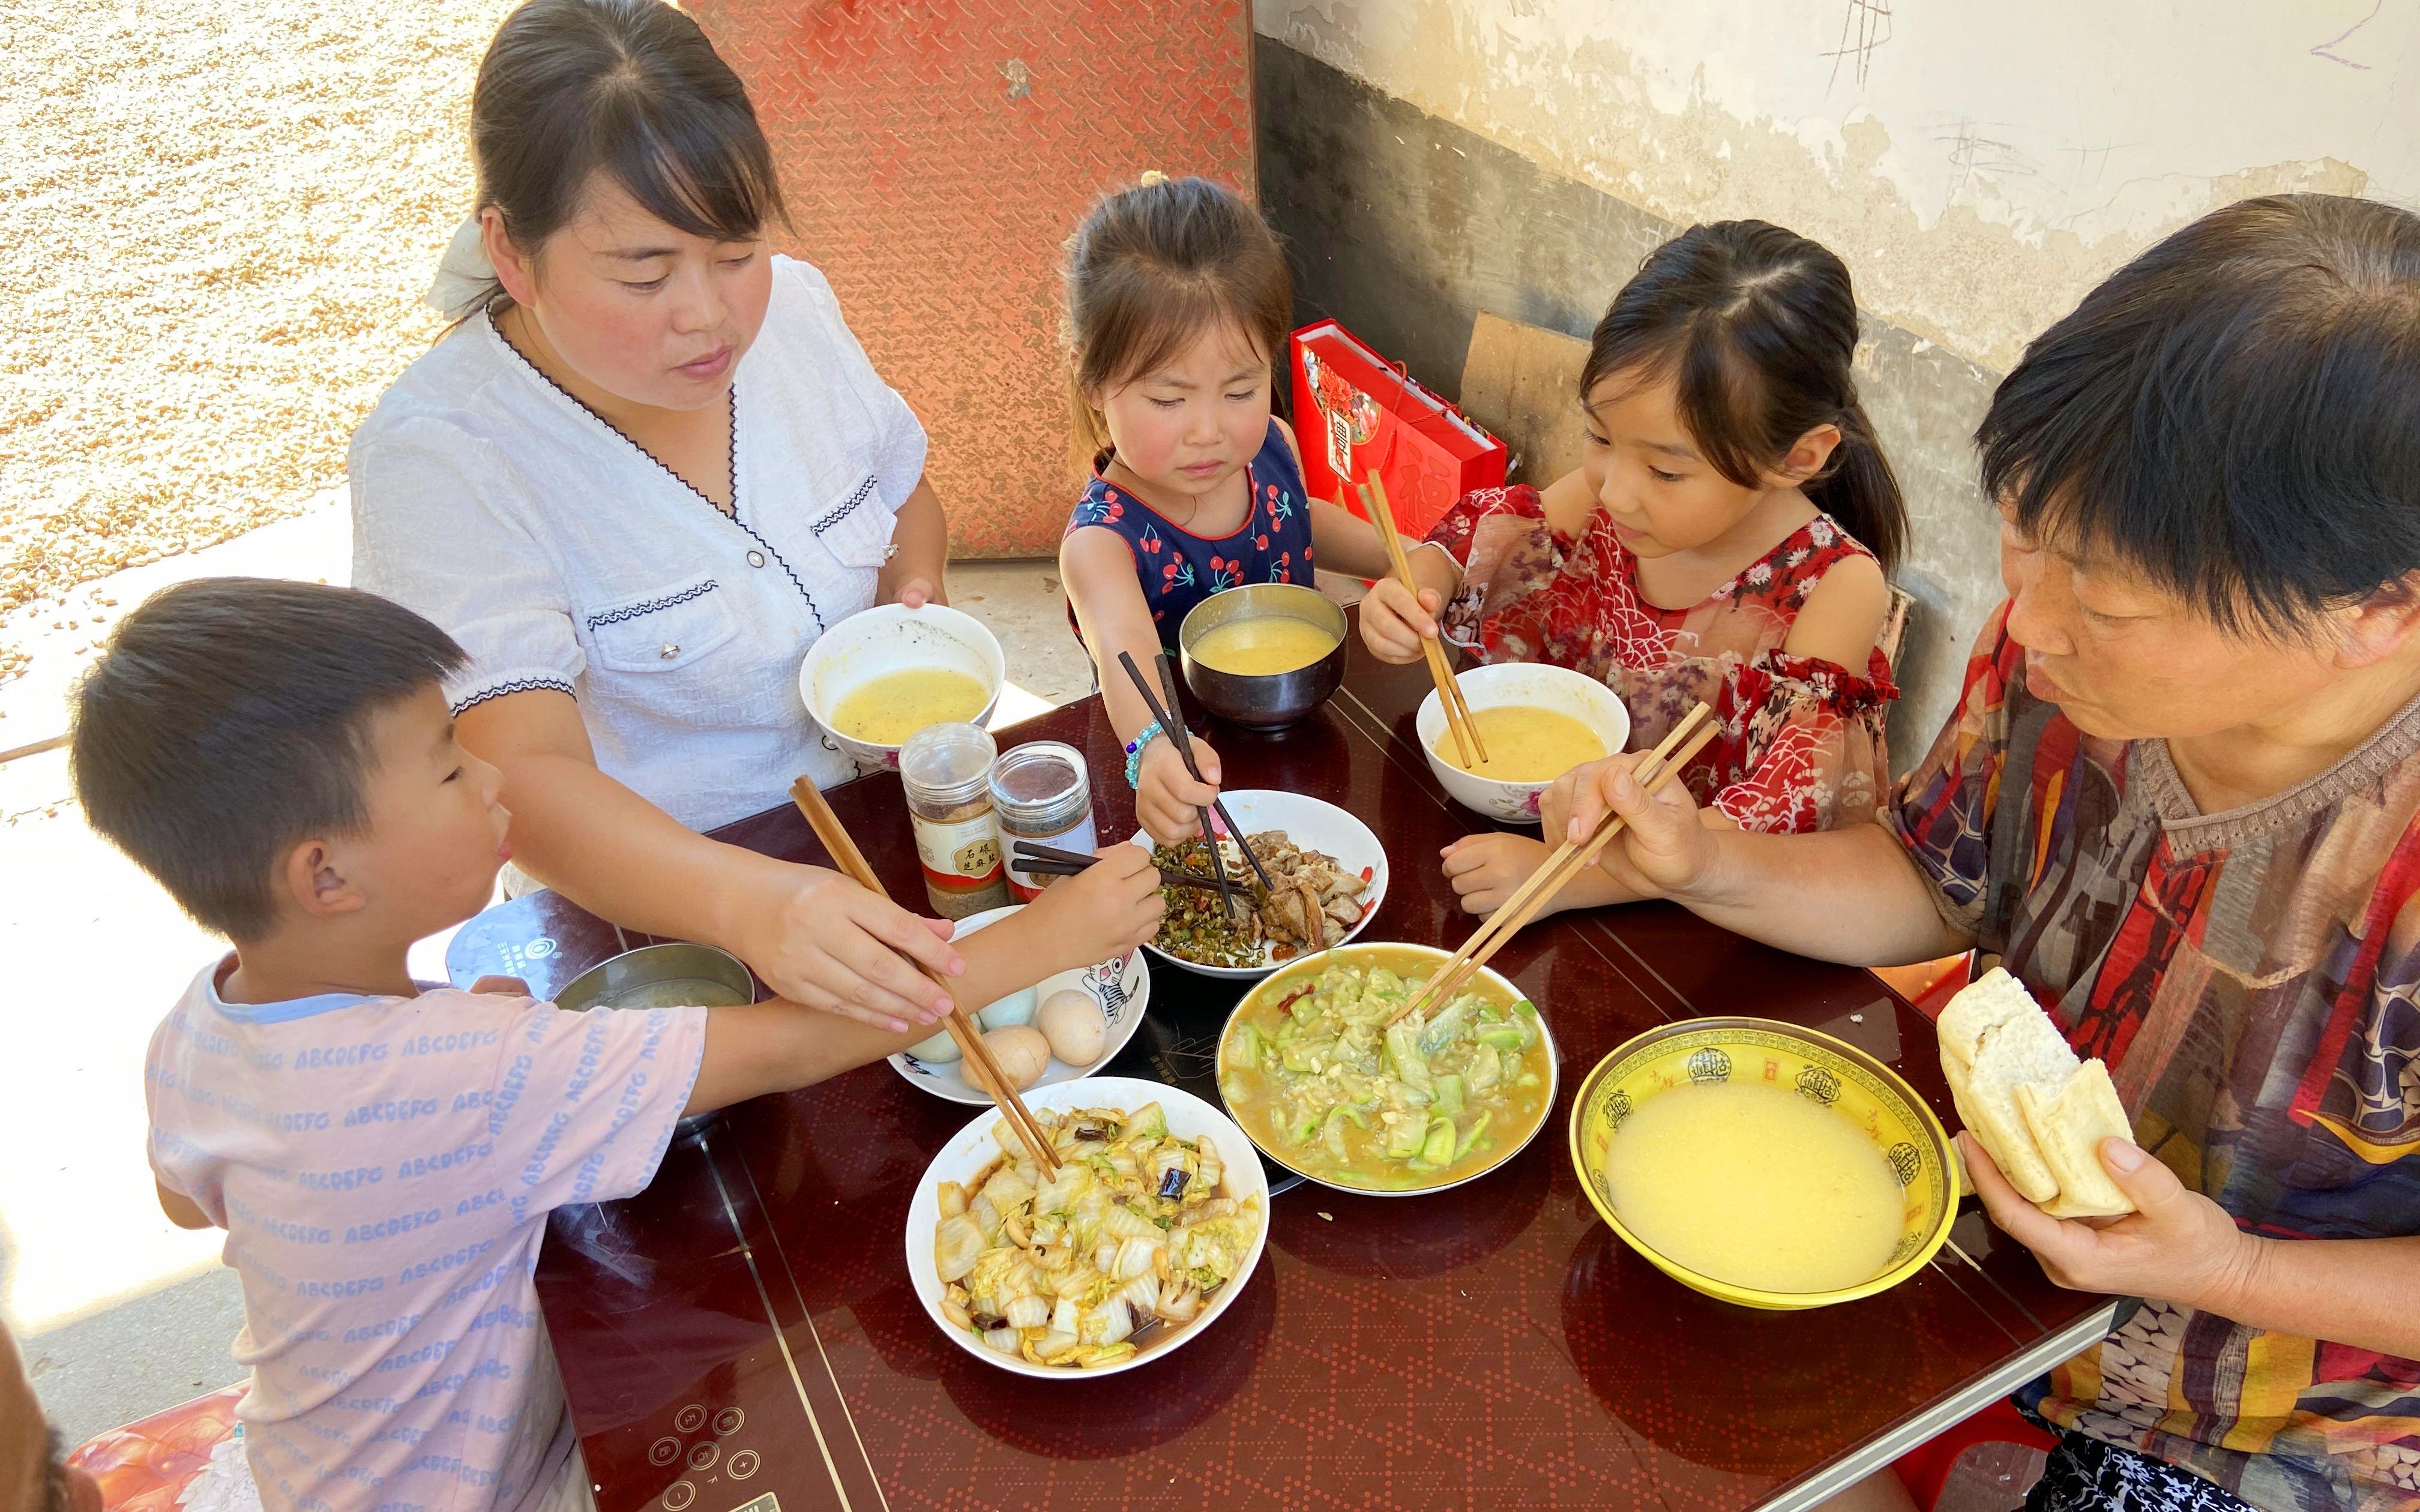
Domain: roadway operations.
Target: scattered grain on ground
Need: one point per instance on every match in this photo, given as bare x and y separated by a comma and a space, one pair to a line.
215, 224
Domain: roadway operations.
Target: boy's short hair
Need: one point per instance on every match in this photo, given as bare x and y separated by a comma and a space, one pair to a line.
228, 721
2235, 414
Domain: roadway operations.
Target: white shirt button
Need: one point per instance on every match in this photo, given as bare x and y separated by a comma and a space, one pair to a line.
755, 559
671, 649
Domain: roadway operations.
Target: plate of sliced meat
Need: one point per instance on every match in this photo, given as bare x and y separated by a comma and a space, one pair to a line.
1330, 875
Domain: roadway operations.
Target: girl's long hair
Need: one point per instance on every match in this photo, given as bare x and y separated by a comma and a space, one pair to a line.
1756, 327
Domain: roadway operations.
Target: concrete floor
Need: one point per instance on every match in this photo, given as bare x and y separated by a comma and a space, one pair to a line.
120, 1312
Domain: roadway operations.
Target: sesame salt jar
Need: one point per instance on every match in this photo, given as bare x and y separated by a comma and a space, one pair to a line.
1043, 792
946, 769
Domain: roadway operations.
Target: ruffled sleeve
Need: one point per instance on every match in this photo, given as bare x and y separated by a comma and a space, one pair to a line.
1813, 754
1507, 552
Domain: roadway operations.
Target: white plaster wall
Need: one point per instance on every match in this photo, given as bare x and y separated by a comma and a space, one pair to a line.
1980, 164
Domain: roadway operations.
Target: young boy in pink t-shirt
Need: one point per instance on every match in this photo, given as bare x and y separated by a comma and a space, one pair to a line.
383, 1158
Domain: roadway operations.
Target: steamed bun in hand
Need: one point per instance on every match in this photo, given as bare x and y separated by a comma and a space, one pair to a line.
2039, 1111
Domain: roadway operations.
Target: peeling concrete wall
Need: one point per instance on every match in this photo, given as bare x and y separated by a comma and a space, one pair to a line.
1978, 166
1404, 227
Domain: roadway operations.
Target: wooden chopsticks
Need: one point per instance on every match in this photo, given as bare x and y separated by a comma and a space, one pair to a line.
851, 860
1568, 860
1037, 860
1457, 708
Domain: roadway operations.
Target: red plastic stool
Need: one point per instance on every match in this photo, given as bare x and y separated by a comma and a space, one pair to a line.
1929, 984
146, 1465
1925, 1469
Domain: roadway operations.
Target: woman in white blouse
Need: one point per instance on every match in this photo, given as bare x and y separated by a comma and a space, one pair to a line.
646, 468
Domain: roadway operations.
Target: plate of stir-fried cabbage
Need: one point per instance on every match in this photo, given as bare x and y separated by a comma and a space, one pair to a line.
1321, 1075
1152, 1223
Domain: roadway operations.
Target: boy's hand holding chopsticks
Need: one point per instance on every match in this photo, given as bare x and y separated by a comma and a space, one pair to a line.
1104, 909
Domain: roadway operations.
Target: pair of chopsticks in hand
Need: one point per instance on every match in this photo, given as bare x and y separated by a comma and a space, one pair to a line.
1171, 717
1568, 862
1037, 860
1457, 708
851, 860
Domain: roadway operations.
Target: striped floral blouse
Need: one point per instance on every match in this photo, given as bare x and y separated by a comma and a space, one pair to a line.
2250, 977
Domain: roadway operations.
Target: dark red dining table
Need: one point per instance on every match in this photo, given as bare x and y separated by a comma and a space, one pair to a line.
742, 1337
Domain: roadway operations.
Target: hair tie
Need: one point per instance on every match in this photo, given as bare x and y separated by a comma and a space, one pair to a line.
1152, 178
465, 279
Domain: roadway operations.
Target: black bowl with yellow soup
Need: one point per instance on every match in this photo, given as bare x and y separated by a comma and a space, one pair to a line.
1311, 1070
1264, 655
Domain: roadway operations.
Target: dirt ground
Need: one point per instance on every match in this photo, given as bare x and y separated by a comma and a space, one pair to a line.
216, 221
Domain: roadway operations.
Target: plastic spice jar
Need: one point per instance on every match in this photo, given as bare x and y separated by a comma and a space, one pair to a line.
946, 769
1043, 793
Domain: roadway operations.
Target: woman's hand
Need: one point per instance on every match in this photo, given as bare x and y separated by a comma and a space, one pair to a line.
818, 938
1166, 796
920, 547
2177, 1246
917, 592
1664, 847
1101, 912
1395, 621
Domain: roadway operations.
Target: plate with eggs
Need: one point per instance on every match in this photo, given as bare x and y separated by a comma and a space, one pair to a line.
1061, 1029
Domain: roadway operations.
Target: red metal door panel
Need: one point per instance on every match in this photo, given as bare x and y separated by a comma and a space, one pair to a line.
936, 154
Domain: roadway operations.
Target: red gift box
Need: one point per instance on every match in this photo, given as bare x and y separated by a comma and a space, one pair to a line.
1356, 414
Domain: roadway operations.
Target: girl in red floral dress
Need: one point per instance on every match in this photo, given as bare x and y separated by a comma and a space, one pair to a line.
1726, 539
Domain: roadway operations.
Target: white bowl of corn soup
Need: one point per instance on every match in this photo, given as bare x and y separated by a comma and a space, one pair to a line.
1537, 722
883, 675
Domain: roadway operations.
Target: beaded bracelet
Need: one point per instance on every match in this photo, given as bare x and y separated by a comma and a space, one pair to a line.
1134, 752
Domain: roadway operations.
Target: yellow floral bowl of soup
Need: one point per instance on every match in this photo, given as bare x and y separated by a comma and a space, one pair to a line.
1264, 655
1318, 1070
883, 675
1537, 723
1762, 1163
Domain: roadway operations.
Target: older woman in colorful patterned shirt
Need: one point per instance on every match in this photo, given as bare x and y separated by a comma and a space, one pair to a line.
2180, 801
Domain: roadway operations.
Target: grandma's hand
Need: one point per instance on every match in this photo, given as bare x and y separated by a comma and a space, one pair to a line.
818, 938
2177, 1246
1663, 846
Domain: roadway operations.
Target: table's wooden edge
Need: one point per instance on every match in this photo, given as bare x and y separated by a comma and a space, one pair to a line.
1828, 1480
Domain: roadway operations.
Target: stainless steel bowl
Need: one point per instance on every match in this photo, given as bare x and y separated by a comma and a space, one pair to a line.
656, 976
1277, 700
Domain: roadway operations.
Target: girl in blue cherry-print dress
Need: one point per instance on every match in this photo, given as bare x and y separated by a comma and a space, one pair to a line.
1179, 569
1178, 305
